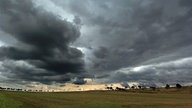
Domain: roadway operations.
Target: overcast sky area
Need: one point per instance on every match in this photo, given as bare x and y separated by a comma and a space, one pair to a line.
58, 41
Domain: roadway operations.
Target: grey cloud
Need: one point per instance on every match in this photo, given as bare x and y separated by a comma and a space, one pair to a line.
146, 32
102, 52
172, 71
47, 39
77, 20
134, 32
185, 3
79, 81
120, 34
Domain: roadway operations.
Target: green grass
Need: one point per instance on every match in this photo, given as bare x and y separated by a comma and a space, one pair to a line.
6, 102
160, 98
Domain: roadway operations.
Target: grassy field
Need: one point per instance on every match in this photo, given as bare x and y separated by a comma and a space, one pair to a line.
160, 98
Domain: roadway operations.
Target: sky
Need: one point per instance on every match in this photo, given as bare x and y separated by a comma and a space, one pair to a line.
58, 41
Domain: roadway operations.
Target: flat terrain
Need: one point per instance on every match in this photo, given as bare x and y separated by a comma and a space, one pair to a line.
160, 98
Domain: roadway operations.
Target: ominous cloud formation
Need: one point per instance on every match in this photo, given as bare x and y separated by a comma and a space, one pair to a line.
43, 53
124, 40
128, 34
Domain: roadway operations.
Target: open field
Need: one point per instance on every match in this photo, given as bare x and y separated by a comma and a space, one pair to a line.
160, 98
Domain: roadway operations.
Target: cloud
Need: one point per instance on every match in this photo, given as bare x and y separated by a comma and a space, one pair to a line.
116, 36
129, 33
78, 81
45, 44
164, 72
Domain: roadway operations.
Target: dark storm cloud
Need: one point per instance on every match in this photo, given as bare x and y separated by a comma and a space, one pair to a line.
102, 52
45, 44
151, 36
124, 40
130, 33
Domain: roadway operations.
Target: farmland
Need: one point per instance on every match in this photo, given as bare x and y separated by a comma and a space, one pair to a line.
146, 98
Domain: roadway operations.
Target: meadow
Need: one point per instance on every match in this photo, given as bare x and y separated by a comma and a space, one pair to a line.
146, 98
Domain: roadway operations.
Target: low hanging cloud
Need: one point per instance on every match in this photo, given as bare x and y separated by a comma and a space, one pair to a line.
124, 40
129, 33
78, 81
43, 52
164, 72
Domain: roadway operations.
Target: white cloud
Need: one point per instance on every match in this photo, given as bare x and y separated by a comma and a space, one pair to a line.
1, 44
176, 64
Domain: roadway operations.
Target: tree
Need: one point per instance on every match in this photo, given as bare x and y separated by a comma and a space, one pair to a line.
153, 88
139, 87
178, 85
167, 86
120, 89
133, 87
109, 88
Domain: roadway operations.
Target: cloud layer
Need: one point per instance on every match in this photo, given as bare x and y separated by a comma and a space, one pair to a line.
131, 33
43, 52
113, 41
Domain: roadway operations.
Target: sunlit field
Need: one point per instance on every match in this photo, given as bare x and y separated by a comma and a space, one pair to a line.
147, 98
